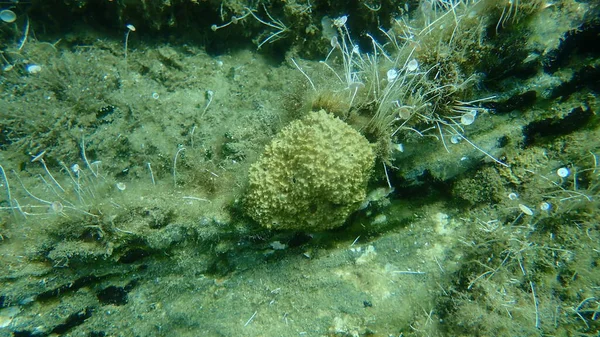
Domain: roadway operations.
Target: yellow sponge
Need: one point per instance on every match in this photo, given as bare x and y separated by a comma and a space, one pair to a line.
311, 176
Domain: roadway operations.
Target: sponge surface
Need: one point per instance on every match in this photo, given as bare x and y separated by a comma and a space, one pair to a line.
311, 176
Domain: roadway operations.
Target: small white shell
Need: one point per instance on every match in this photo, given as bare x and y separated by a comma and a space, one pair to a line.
467, 119
392, 74
379, 219
525, 209
412, 65
545, 206
8, 16
341, 21
563, 172
33, 68
56, 207
334, 42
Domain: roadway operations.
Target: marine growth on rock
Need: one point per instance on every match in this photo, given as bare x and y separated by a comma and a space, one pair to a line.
312, 176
